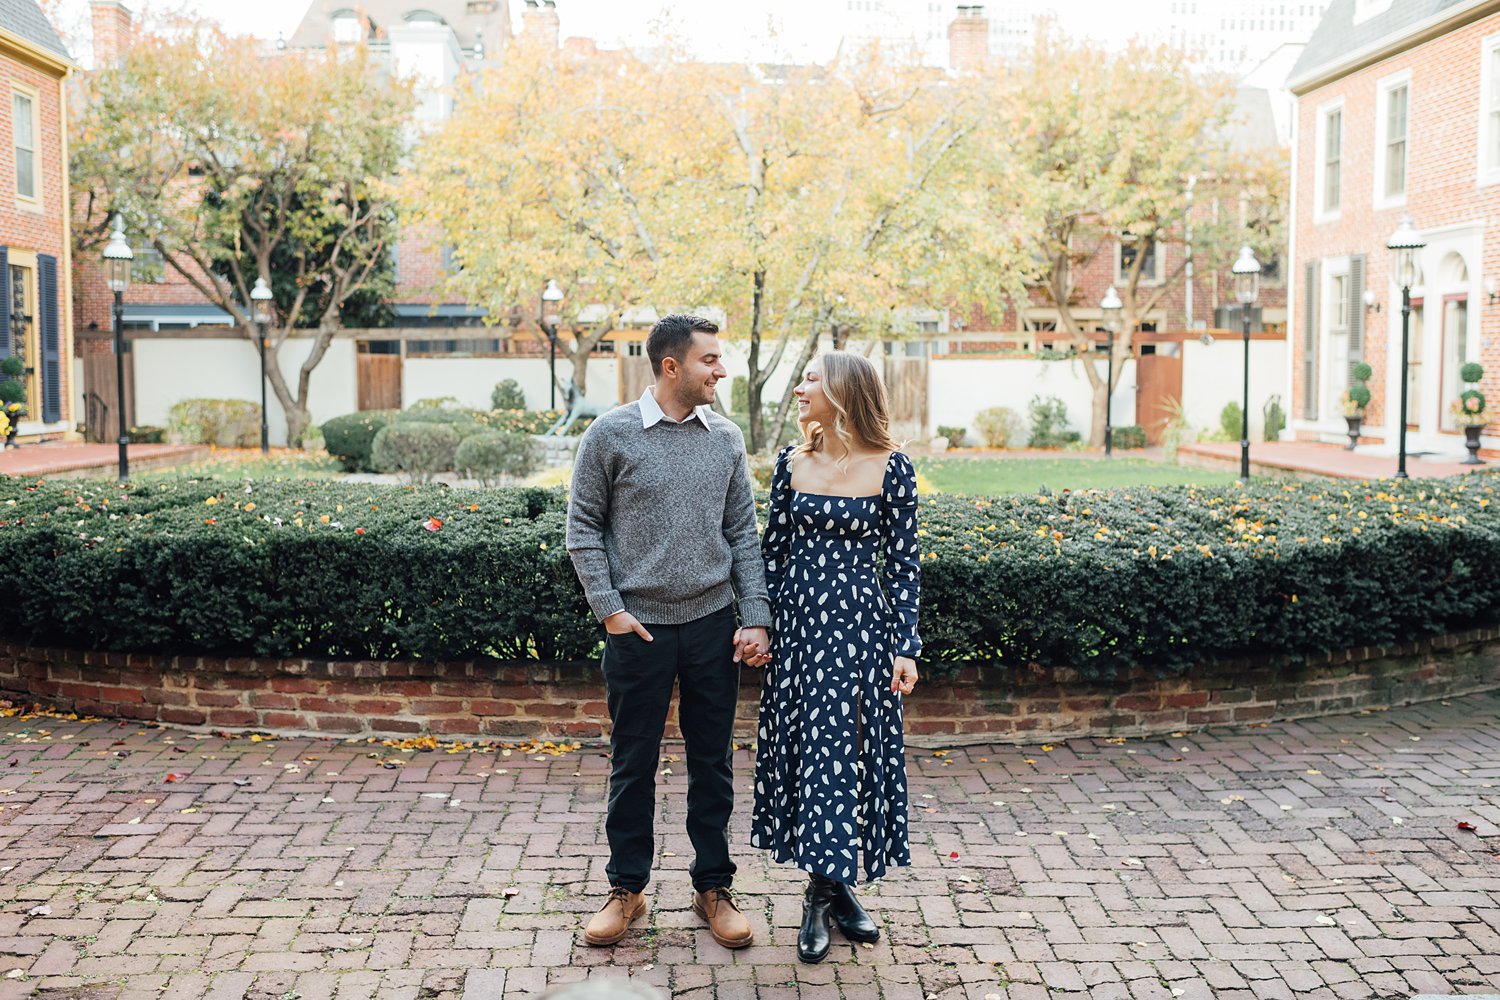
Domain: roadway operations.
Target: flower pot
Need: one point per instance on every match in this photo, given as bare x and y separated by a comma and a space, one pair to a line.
1353, 423
1471, 442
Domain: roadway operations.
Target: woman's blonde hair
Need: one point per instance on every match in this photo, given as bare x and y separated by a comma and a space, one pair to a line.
861, 413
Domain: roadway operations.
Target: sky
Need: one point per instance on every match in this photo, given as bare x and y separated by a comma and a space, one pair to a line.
804, 29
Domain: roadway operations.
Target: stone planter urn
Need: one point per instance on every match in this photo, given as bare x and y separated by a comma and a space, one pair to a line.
1471, 442
1353, 423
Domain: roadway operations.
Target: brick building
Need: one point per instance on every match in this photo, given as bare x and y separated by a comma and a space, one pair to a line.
35, 235
1398, 114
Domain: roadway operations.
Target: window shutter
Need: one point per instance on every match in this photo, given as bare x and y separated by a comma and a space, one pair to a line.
51, 367
1356, 310
4, 303
1310, 342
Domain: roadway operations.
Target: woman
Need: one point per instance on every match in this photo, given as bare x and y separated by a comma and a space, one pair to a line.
830, 774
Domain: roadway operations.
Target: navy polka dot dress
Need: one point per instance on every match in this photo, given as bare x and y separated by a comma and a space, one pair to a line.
830, 773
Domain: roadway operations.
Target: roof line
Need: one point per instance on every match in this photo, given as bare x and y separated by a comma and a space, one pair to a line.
1408, 37
26, 48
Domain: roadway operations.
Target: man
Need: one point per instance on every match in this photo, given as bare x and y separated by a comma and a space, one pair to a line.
662, 533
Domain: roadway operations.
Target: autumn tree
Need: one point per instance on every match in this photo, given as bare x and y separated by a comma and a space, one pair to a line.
1119, 146
238, 165
848, 202
569, 168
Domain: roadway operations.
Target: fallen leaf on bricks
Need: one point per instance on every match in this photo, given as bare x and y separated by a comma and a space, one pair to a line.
39, 911
511, 892
175, 777
1326, 921
1466, 825
242, 782
1132, 862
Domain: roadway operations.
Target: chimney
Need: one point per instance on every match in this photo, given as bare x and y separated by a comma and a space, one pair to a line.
969, 40
481, 7
540, 23
111, 26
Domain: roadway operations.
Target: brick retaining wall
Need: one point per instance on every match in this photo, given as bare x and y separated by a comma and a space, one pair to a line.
509, 700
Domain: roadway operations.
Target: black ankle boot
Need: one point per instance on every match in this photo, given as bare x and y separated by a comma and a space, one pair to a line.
812, 939
851, 917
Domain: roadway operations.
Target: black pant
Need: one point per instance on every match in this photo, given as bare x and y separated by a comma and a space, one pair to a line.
699, 655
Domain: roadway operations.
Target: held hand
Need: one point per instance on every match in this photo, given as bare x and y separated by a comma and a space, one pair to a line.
903, 675
623, 623
752, 646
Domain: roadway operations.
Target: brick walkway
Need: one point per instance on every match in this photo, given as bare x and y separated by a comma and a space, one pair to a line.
1318, 459
1320, 859
101, 460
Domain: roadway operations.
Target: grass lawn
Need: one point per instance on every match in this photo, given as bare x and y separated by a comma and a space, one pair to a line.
249, 463
1027, 475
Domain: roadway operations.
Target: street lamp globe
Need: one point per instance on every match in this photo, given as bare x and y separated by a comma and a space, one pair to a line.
117, 258
1407, 243
1246, 272
1111, 307
260, 302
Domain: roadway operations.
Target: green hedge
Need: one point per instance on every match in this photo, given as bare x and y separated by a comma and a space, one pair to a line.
1165, 577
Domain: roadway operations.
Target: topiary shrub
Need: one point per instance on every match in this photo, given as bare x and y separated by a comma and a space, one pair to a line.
227, 423
1049, 423
464, 422
954, 435
494, 456
1229, 421
1000, 427
1357, 396
1469, 409
507, 395
1130, 436
349, 438
413, 449
146, 434
1274, 419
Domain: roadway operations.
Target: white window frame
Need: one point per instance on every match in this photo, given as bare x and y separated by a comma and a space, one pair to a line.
31, 202
1329, 306
1487, 172
1320, 139
1383, 90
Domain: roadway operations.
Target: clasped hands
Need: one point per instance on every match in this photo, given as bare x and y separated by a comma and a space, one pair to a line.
752, 646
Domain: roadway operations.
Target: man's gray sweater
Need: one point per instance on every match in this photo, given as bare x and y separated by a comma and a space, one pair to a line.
661, 521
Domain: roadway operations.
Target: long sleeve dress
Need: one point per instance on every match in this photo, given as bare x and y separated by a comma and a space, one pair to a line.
830, 770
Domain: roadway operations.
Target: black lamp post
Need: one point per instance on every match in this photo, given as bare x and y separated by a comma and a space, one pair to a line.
117, 258
548, 323
1246, 272
1111, 307
1406, 243
260, 311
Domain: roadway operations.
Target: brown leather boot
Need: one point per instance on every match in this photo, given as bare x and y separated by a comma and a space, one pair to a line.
725, 921
609, 925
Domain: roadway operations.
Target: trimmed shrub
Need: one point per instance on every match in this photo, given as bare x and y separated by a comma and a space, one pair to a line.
1360, 371
1229, 421
1275, 419
1000, 427
228, 423
1103, 581
1049, 423
349, 438
1130, 436
463, 422
954, 435
146, 434
414, 449
495, 455
507, 395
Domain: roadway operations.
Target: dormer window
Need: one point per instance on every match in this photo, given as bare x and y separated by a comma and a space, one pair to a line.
348, 28
424, 17
1366, 9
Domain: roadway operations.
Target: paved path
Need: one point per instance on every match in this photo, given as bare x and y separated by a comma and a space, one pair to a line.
1311, 860
100, 460
1319, 459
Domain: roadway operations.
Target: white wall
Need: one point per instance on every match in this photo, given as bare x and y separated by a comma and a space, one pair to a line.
958, 388
1213, 375
472, 380
168, 371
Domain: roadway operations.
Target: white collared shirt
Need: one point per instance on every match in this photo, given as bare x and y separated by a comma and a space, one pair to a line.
652, 413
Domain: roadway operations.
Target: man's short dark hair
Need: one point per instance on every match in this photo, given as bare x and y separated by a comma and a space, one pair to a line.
673, 335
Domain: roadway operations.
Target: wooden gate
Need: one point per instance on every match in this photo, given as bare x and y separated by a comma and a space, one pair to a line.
379, 381
1158, 386
906, 389
101, 407
635, 375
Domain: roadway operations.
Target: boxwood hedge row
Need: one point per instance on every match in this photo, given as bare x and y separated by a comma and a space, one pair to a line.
1100, 580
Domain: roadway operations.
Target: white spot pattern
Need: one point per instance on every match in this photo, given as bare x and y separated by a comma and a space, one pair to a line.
830, 770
